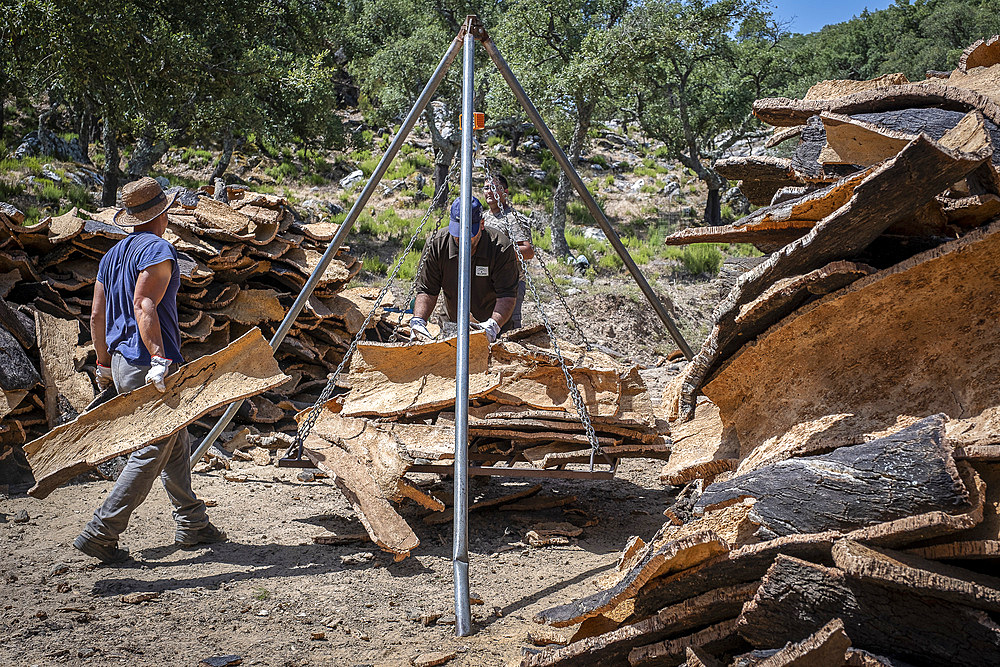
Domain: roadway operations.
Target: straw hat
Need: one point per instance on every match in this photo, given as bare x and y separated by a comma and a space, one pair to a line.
144, 201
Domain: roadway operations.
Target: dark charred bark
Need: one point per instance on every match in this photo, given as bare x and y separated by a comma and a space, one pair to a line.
46, 138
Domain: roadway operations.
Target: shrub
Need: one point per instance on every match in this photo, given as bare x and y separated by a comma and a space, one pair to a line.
408, 268
9, 189
611, 260
80, 197
493, 141
50, 191
372, 265
282, 172
541, 240
701, 258
368, 166
744, 250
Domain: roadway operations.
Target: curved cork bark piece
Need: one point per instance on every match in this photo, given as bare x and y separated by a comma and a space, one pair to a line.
944, 299
984, 53
784, 112
837, 88
613, 647
700, 447
390, 379
132, 420
889, 194
907, 572
718, 638
827, 646
797, 598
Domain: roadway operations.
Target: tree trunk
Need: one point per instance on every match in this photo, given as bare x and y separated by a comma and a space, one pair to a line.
109, 193
45, 137
228, 143
564, 189
515, 139
147, 153
84, 130
445, 148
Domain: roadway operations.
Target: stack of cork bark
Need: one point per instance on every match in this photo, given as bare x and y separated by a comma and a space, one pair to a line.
839, 430
243, 260
398, 416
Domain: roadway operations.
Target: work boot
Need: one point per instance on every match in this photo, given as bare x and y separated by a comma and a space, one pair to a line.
105, 553
207, 535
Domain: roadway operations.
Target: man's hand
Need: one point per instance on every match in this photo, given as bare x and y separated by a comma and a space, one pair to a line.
158, 372
103, 377
491, 328
418, 330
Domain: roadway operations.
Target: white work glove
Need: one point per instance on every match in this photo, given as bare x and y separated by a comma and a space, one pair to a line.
158, 372
418, 330
491, 328
103, 377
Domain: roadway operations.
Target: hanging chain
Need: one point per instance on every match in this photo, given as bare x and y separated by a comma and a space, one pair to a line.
574, 390
310, 421
519, 219
423, 256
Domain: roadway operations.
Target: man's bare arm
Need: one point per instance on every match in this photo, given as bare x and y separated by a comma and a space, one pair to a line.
150, 287
503, 309
424, 305
99, 325
527, 250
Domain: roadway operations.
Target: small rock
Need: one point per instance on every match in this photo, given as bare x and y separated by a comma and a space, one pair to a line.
86, 653
263, 612
538, 174
351, 179
222, 660
637, 185
595, 233
447, 619
475, 599
58, 568
306, 477
48, 173
572, 291
162, 180
41, 615
317, 636
234, 477
136, 598
545, 635
432, 659
22, 517
210, 502
332, 621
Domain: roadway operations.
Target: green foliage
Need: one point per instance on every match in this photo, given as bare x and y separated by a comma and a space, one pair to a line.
282, 172
49, 191
10, 189
541, 240
494, 141
261, 593
702, 258
408, 267
744, 250
372, 265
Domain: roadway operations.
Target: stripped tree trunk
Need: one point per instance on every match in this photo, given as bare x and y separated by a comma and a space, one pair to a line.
445, 146
228, 143
147, 153
564, 190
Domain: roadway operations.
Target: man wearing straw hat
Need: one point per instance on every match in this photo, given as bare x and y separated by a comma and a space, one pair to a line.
134, 326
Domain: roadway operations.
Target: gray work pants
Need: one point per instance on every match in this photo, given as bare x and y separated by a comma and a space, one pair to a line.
168, 459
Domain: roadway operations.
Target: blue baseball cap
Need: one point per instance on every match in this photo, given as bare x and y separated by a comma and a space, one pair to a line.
455, 224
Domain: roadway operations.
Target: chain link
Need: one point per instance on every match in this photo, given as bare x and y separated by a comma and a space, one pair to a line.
423, 256
310, 421
574, 390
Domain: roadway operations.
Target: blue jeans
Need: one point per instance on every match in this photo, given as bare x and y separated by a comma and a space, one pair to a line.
168, 459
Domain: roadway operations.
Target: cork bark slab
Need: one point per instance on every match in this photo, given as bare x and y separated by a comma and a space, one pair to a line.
914, 339
907, 572
900, 475
130, 421
386, 449
67, 392
393, 379
784, 112
780, 223
718, 638
9, 400
827, 646
17, 370
797, 598
851, 141
613, 647
888, 195
253, 306
355, 480
837, 88
983, 53
700, 447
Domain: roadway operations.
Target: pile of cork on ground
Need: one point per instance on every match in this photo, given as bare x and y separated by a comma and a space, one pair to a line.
244, 257
838, 433
398, 418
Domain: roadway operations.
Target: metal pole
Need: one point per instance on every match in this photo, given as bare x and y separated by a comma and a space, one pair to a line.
342, 232
584, 193
460, 553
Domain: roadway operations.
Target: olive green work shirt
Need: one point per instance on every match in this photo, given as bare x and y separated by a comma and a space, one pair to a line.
494, 272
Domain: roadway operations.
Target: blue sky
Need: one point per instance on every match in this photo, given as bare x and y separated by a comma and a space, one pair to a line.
810, 15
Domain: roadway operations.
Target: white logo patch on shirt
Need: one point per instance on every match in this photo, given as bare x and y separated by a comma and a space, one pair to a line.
482, 270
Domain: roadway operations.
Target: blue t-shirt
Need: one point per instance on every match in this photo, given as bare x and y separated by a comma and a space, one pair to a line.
118, 272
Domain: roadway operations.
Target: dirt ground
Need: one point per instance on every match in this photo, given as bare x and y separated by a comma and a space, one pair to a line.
262, 595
